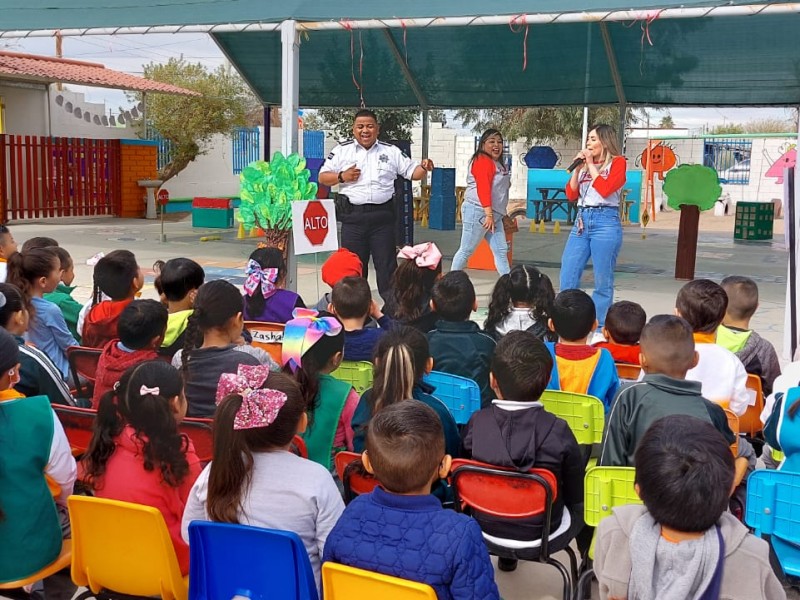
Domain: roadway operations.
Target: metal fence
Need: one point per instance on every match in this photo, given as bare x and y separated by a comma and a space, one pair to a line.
313, 144
246, 147
730, 157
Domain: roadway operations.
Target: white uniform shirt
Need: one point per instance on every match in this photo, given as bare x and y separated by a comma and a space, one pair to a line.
380, 166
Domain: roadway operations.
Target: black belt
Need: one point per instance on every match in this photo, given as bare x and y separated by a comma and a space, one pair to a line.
600, 206
364, 208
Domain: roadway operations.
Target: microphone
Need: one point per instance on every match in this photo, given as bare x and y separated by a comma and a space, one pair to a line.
575, 164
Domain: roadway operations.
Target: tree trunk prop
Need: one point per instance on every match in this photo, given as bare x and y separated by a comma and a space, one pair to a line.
686, 255
277, 238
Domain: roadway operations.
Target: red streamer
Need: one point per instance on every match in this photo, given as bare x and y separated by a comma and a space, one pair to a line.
519, 21
405, 39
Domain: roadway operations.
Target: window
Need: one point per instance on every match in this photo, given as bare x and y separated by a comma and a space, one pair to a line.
730, 158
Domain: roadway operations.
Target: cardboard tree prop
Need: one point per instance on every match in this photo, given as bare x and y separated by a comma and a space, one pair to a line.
690, 189
267, 190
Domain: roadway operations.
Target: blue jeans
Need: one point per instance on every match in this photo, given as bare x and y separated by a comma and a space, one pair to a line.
472, 232
600, 240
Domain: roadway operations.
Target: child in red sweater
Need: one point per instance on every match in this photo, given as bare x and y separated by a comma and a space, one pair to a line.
624, 323
141, 329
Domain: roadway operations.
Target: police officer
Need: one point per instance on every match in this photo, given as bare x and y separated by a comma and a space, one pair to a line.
365, 170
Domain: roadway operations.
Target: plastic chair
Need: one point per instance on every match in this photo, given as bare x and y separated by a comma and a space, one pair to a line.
482, 488
78, 424
202, 436
733, 423
267, 336
356, 373
603, 489
462, 396
355, 480
340, 582
584, 414
83, 367
267, 563
771, 509
62, 561
750, 422
629, 372
124, 548
299, 447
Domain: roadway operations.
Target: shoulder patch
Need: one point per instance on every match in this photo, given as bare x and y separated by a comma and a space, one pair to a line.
330, 156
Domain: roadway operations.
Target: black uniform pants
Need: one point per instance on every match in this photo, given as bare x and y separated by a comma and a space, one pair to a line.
370, 230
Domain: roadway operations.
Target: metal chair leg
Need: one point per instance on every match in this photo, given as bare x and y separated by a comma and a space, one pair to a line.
567, 592
573, 562
583, 588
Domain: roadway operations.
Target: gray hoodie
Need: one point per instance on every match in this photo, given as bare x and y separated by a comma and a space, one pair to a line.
747, 573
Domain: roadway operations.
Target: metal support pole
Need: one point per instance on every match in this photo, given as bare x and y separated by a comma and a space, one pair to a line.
267, 132
623, 123
586, 79
290, 86
426, 138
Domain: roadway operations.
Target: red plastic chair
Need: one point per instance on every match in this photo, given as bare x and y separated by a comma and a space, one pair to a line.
83, 367
507, 494
299, 447
78, 424
355, 480
202, 436
750, 422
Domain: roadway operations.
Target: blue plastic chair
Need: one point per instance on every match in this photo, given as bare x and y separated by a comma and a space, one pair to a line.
462, 396
772, 501
268, 563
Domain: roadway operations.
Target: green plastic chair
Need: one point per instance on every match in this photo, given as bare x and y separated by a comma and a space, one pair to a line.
584, 414
603, 489
356, 373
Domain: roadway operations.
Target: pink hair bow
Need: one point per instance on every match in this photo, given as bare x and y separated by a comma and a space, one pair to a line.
260, 407
148, 391
256, 274
303, 331
425, 256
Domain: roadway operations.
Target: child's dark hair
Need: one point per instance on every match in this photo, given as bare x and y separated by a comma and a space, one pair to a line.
216, 303
521, 366
703, 304
351, 297
573, 314
315, 360
140, 322
454, 296
179, 276
114, 275
14, 302
405, 445
150, 415
63, 257
232, 464
25, 267
625, 321
742, 293
668, 344
268, 258
685, 470
524, 285
39, 242
412, 287
400, 359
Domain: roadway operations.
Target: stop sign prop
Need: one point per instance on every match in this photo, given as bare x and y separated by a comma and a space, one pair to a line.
315, 223
314, 226
163, 197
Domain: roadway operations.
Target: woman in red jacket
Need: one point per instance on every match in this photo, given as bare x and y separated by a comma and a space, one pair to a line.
485, 203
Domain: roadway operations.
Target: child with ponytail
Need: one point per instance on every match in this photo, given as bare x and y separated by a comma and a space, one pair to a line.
35, 273
521, 301
419, 268
401, 359
254, 478
313, 346
265, 299
137, 453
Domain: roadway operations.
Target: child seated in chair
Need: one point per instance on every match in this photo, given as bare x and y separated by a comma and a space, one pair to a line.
578, 367
518, 433
179, 278
265, 298
682, 544
624, 323
352, 303
400, 529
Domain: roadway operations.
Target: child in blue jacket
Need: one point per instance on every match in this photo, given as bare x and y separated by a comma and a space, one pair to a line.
400, 529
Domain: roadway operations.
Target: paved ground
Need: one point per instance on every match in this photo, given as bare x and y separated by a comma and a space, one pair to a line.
644, 274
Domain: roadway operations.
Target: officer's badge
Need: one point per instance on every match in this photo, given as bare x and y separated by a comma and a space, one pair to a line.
384, 158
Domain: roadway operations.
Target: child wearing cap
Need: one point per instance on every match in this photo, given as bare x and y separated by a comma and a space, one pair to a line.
339, 265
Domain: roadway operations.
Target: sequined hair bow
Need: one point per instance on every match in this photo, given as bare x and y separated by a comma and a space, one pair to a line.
260, 406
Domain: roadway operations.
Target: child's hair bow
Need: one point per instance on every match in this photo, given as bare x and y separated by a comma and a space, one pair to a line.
267, 277
303, 331
260, 406
425, 256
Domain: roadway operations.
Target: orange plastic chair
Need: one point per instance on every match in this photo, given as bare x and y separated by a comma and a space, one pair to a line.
486, 489
267, 336
299, 447
83, 367
750, 422
62, 561
124, 548
78, 424
354, 478
340, 582
733, 423
630, 372
202, 436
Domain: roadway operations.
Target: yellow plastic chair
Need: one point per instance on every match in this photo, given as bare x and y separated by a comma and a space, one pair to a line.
62, 561
584, 414
124, 548
356, 373
340, 582
603, 489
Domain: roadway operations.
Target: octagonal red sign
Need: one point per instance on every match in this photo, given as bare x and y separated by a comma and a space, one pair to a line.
315, 223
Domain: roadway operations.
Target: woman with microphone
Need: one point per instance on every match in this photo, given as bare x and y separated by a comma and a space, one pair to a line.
596, 184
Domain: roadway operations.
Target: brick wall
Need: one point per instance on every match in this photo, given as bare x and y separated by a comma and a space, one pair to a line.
138, 162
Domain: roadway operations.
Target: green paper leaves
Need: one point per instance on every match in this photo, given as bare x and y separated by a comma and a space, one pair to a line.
692, 185
267, 190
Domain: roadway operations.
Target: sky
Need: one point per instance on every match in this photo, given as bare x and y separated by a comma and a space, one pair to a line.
129, 53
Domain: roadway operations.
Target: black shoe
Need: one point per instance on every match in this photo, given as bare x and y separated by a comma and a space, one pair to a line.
507, 564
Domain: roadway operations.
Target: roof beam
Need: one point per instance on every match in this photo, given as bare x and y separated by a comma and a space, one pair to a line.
401, 62
612, 63
723, 10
